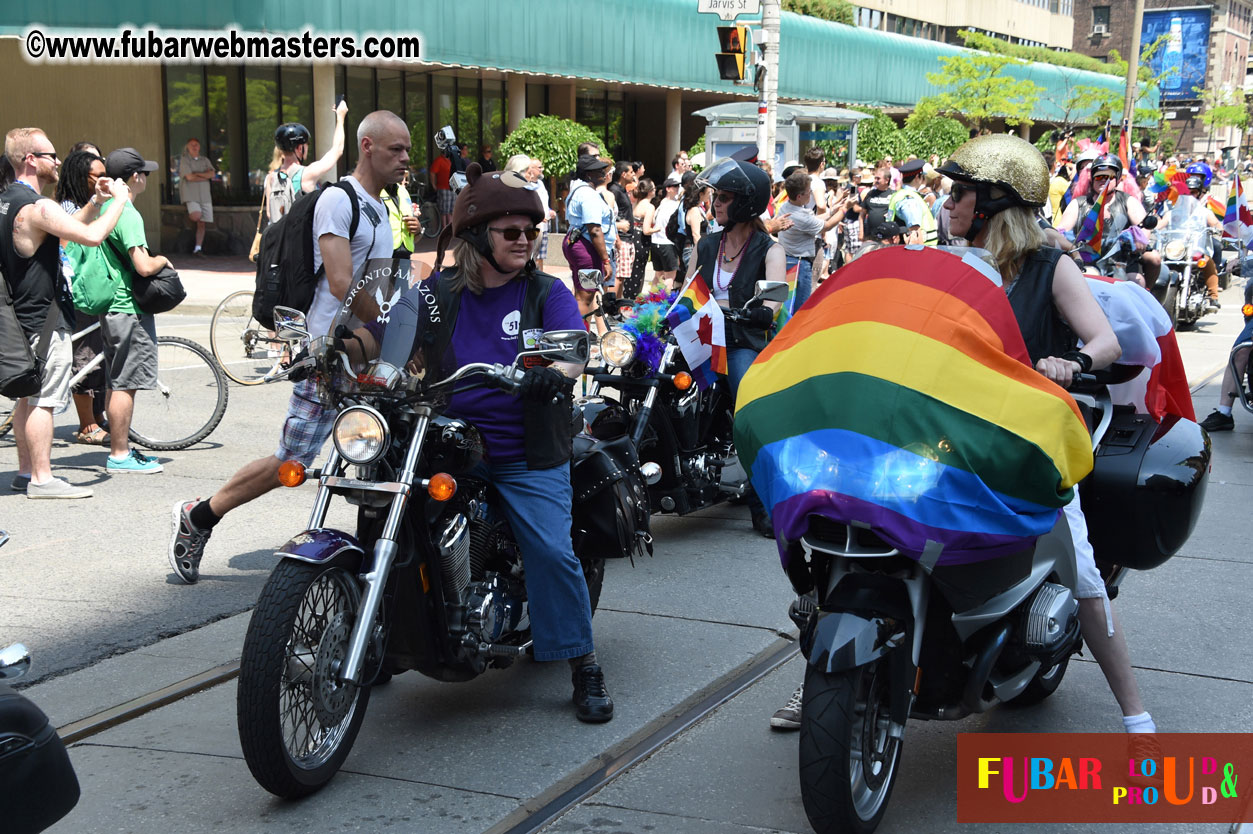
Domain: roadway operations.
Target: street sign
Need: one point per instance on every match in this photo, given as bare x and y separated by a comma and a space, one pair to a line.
729, 9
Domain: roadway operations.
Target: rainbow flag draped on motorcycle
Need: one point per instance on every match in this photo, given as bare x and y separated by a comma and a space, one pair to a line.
901, 396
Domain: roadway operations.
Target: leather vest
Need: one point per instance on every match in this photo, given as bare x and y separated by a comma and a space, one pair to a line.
1031, 298
547, 426
752, 268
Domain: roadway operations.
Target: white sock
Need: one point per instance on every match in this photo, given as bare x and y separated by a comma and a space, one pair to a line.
1142, 723
1225, 410
194, 251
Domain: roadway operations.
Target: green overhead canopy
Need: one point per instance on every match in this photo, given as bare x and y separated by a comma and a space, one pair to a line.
661, 43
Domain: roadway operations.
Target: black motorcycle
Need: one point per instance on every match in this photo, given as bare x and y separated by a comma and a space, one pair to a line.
431, 579
681, 431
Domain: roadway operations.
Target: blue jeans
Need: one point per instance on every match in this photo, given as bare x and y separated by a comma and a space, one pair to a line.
804, 281
536, 503
738, 360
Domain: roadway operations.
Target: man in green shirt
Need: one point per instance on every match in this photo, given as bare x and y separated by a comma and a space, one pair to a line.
130, 335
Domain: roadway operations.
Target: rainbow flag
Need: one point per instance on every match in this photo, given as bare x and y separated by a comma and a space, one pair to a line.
1219, 210
1124, 148
785, 310
1088, 238
1237, 219
901, 396
696, 323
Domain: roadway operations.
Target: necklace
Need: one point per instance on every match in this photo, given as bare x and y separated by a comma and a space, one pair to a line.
721, 286
722, 244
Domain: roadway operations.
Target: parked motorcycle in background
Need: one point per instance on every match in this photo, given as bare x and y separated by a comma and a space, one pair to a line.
37, 781
1186, 246
431, 578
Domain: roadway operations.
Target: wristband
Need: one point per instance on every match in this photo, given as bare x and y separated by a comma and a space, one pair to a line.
1085, 361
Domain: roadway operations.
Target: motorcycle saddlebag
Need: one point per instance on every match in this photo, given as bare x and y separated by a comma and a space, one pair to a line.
610, 510
1146, 489
36, 777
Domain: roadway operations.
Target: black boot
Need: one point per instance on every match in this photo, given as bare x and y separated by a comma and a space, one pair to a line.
591, 699
762, 523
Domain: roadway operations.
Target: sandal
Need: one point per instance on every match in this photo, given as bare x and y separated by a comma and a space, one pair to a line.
95, 437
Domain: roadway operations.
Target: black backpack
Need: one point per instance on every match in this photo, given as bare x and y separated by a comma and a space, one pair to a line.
676, 227
285, 273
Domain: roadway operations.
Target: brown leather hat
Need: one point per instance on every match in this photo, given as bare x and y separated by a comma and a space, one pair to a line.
492, 195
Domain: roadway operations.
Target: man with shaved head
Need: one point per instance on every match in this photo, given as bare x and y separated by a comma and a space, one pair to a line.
339, 256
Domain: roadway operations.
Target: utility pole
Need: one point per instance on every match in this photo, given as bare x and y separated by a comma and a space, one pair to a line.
1133, 65
770, 15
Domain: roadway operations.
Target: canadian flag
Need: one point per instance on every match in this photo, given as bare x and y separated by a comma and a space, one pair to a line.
1238, 220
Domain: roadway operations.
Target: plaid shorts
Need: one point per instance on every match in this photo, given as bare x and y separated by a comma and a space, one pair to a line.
306, 426
445, 200
543, 244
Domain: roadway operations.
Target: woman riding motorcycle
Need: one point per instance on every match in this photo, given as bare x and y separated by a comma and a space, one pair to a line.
999, 182
732, 261
1121, 211
490, 303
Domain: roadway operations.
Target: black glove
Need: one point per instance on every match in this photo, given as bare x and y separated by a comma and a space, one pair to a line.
542, 385
759, 318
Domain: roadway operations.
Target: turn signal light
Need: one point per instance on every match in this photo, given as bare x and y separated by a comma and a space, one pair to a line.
683, 380
1202, 261
441, 487
1247, 311
291, 473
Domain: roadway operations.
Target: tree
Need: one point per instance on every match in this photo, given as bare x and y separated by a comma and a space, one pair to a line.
698, 148
1042, 54
550, 139
926, 134
878, 137
836, 11
974, 87
1224, 107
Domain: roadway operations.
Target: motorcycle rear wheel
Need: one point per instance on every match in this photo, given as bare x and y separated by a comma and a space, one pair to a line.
848, 761
1044, 684
1170, 303
296, 723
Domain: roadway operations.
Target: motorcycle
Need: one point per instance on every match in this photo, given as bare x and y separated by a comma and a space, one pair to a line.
1241, 367
888, 639
33, 762
432, 578
1186, 247
682, 432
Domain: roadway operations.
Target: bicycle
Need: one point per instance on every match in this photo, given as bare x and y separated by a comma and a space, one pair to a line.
428, 214
247, 352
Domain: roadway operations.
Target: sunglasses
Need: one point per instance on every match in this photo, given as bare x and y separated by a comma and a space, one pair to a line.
49, 154
1102, 178
959, 191
511, 235
724, 197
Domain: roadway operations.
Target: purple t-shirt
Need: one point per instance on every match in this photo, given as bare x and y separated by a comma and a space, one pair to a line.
487, 331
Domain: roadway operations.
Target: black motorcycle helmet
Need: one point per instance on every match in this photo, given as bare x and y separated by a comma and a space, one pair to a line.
1109, 163
749, 184
1196, 182
291, 135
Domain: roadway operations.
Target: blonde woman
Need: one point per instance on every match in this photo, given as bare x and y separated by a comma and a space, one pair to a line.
289, 176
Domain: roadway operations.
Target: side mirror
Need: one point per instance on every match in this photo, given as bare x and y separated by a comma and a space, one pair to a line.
770, 291
1149, 223
590, 280
14, 661
565, 346
290, 324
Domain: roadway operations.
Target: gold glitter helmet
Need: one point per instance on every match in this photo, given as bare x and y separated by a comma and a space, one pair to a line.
1006, 162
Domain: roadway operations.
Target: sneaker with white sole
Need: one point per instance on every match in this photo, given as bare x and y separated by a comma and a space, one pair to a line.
788, 717
136, 462
57, 488
19, 482
186, 543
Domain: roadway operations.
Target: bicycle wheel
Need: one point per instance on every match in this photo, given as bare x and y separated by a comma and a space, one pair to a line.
430, 220
188, 402
6, 415
245, 350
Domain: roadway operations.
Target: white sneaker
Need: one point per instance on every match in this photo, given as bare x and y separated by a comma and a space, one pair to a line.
788, 717
57, 488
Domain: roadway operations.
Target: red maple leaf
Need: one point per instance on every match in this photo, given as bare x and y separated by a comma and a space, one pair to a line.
705, 330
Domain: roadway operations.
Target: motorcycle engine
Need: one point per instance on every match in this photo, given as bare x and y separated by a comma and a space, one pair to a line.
495, 607
1050, 624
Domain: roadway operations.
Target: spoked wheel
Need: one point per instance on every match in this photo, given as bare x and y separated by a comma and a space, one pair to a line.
1044, 684
429, 217
847, 758
245, 350
297, 722
188, 402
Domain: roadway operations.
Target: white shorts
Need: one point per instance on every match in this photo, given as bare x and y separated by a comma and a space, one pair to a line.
1089, 584
205, 209
54, 390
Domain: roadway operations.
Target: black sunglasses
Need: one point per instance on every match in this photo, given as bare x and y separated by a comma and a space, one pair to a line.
511, 235
49, 154
959, 191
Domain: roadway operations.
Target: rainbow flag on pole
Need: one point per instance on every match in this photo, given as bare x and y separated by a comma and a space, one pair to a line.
902, 396
1088, 238
696, 322
1237, 219
785, 310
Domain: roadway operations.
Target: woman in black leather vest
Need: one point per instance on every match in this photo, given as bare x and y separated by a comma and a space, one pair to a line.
731, 262
999, 182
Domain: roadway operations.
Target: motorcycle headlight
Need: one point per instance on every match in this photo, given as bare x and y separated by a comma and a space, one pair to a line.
360, 435
617, 348
1176, 250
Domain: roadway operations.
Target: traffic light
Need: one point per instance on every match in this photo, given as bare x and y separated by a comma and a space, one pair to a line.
736, 43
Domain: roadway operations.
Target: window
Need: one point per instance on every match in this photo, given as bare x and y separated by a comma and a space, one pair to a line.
468, 117
185, 112
417, 86
1100, 17
261, 110
494, 115
536, 99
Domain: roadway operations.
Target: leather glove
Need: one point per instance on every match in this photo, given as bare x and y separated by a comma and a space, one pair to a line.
759, 318
542, 385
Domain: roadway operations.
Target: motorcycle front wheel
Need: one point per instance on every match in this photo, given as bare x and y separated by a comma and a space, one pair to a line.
297, 722
848, 760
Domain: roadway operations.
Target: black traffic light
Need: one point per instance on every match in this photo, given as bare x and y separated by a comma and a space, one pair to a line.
736, 44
